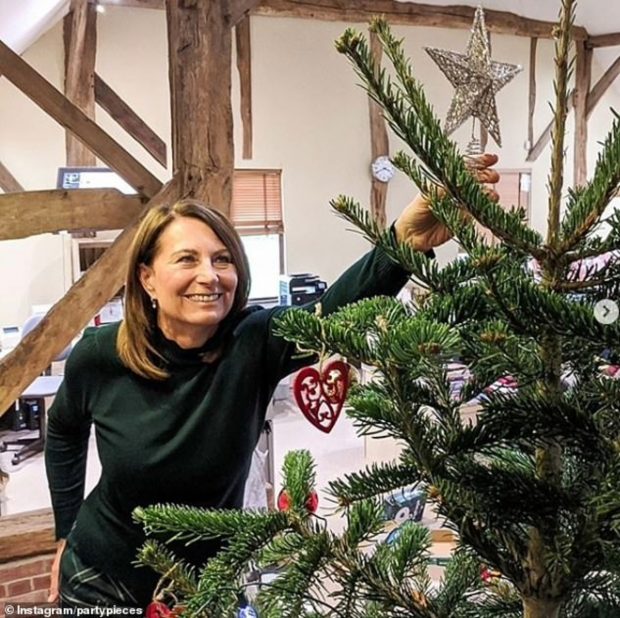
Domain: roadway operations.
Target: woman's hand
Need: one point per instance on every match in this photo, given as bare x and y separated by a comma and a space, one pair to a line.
55, 574
419, 227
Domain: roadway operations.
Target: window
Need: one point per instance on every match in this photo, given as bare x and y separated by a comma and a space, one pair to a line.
256, 213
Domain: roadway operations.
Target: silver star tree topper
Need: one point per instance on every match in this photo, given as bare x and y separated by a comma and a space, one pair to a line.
477, 79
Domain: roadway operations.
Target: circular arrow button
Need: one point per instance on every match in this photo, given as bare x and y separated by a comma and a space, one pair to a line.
606, 311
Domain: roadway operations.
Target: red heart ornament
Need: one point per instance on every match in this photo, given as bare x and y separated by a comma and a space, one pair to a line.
320, 396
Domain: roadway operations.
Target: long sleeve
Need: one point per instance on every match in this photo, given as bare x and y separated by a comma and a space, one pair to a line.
68, 430
375, 274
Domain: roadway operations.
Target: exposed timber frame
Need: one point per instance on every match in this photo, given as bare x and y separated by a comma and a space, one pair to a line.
80, 37
583, 75
40, 212
122, 113
8, 182
594, 96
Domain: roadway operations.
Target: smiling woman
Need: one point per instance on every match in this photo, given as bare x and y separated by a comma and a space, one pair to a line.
178, 393
191, 282
187, 272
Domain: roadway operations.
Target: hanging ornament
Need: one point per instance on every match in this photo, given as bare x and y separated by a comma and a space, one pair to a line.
284, 501
477, 80
157, 609
320, 395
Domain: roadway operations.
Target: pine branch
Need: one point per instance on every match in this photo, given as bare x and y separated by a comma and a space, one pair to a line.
158, 557
194, 524
586, 207
563, 70
531, 417
374, 480
220, 582
287, 595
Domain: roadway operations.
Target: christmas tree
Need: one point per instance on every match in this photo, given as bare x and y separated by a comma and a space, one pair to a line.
532, 488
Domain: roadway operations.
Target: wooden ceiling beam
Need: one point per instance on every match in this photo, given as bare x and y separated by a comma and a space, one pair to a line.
159, 5
40, 212
50, 100
108, 100
80, 36
604, 40
200, 61
72, 312
600, 88
412, 14
240, 9
8, 182
400, 13
244, 69
594, 96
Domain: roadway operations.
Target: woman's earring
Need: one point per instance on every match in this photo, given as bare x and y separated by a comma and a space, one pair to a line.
154, 303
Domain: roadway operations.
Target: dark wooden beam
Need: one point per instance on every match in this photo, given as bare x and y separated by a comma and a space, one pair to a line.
244, 68
532, 93
80, 29
68, 115
72, 312
600, 88
413, 14
594, 97
583, 74
39, 212
137, 4
379, 143
8, 182
604, 40
200, 60
240, 9
130, 121
400, 13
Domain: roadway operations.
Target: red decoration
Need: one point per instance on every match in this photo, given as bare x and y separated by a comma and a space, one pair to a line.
157, 609
284, 501
312, 503
320, 396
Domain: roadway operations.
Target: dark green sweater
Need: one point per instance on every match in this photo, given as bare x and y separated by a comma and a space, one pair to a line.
186, 440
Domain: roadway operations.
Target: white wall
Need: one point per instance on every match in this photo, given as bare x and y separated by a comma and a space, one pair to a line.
310, 119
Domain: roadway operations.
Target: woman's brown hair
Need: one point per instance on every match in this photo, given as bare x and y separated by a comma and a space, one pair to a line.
134, 342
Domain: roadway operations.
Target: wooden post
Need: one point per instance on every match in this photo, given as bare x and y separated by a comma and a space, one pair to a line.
200, 60
244, 68
532, 93
379, 143
583, 74
8, 182
80, 37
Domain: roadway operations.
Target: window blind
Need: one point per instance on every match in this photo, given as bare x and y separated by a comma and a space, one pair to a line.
257, 202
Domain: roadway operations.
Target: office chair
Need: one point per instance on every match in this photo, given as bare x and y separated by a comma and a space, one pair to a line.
31, 404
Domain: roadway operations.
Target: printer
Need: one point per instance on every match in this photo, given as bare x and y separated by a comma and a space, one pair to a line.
300, 289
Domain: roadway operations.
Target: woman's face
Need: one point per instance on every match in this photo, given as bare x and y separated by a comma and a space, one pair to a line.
193, 280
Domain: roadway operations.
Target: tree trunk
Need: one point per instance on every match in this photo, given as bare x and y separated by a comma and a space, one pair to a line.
541, 608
